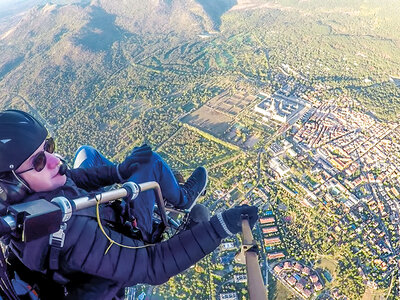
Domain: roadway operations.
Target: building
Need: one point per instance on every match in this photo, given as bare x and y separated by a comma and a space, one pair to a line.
279, 108
276, 149
228, 296
272, 241
291, 280
278, 166
227, 246
291, 152
287, 265
299, 287
298, 267
395, 192
238, 278
306, 271
275, 255
270, 229
267, 220
318, 286
336, 294
306, 293
277, 269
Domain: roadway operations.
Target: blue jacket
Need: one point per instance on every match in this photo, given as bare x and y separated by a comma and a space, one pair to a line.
96, 275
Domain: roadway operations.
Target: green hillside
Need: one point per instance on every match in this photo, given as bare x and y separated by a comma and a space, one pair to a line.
91, 67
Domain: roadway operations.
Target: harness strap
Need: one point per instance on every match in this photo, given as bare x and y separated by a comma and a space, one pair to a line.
56, 242
54, 258
5, 283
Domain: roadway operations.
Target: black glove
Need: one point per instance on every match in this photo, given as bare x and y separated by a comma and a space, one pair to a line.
230, 221
139, 155
233, 217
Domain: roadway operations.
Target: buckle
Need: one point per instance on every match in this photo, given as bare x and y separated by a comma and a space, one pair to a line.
57, 238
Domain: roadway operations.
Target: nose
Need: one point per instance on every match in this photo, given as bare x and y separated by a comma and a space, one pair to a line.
52, 160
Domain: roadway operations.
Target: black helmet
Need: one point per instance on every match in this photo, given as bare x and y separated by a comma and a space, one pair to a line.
12, 190
20, 136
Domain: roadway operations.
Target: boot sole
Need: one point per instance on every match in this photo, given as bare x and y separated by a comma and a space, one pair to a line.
202, 192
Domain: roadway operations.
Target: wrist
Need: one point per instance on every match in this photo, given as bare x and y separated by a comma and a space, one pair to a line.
219, 225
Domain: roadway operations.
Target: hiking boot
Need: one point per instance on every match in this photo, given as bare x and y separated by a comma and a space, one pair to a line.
199, 213
194, 187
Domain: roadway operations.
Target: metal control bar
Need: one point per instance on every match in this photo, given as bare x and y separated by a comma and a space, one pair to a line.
249, 256
129, 189
40, 217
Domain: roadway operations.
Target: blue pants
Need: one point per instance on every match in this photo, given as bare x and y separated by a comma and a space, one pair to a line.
154, 170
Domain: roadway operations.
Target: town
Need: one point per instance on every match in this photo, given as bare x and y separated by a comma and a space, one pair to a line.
333, 160
324, 174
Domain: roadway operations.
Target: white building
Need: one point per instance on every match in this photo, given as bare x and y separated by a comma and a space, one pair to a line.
228, 296
278, 166
227, 246
240, 278
279, 108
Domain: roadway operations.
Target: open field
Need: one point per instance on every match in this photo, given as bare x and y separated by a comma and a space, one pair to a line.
231, 104
188, 149
371, 294
277, 291
327, 264
218, 117
209, 120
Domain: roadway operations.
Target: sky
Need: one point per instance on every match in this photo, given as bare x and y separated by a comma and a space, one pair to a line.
10, 7
8, 3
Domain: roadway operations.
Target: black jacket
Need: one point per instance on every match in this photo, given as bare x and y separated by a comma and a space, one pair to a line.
96, 275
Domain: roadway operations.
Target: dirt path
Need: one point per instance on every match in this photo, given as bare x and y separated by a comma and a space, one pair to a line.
225, 161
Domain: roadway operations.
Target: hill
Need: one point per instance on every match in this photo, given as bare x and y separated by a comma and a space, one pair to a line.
71, 57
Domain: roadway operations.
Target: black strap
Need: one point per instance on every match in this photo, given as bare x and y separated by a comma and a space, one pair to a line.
54, 257
5, 283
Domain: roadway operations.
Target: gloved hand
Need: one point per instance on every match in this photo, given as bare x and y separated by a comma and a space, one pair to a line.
139, 155
233, 217
230, 221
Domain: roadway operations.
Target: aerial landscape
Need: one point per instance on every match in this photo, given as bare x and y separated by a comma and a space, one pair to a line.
291, 105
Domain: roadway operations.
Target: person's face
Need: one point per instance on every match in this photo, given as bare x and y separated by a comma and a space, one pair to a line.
47, 179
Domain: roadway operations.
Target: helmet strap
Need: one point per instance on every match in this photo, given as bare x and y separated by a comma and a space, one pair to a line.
23, 182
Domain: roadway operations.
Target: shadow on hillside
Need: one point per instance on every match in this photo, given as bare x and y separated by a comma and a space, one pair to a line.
100, 33
216, 8
10, 65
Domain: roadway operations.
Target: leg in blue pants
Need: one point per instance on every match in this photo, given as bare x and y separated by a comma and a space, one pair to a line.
154, 170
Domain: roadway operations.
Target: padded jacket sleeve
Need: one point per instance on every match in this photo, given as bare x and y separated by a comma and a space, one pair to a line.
85, 246
95, 177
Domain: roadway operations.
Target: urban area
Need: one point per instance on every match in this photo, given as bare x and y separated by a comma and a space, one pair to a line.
326, 182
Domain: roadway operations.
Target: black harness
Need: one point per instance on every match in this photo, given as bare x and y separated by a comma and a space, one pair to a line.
50, 284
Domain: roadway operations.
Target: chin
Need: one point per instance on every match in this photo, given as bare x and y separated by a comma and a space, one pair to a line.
62, 179
50, 184
57, 182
